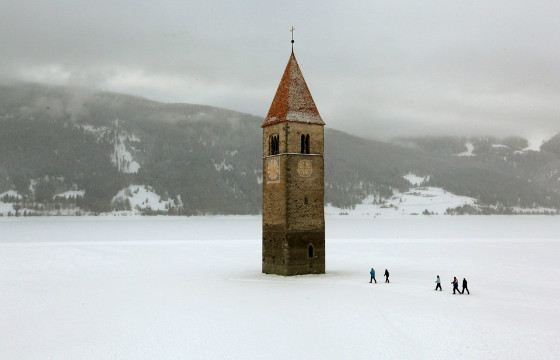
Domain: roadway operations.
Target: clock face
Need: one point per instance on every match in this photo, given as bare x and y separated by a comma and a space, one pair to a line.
273, 169
304, 168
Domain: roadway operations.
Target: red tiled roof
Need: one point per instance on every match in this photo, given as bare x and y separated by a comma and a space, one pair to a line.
293, 100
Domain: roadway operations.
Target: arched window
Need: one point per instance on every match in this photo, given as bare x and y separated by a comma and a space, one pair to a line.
310, 251
274, 145
307, 144
302, 144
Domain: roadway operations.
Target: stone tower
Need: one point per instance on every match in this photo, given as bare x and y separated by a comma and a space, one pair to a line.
293, 180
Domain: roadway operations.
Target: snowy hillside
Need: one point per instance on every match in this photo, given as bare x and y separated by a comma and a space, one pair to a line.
77, 159
122, 157
416, 180
417, 200
141, 198
420, 200
469, 151
69, 194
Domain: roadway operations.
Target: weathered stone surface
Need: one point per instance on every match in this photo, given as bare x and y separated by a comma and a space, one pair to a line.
287, 252
295, 130
293, 183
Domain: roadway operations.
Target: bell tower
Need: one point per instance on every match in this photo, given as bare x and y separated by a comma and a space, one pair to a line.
293, 180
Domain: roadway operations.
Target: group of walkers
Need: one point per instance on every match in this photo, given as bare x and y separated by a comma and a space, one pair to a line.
455, 282
372, 276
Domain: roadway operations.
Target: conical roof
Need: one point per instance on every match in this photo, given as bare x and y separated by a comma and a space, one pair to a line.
293, 100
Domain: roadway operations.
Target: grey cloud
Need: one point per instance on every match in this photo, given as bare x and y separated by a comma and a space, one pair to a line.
376, 68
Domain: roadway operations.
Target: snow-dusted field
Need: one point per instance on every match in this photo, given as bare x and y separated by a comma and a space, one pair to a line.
191, 288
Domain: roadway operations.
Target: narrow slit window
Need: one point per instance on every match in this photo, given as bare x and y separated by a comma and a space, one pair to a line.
310, 251
307, 144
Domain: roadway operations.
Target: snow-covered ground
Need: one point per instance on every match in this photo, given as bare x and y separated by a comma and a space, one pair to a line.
142, 197
70, 194
469, 151
191, 288
10, 194
122, 158
413, 202
415, 180
6, 208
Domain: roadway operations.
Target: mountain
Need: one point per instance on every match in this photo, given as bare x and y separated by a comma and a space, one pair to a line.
514, 172
69, 150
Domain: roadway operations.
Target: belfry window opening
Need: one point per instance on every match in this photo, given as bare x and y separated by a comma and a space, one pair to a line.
274, 145
304, 144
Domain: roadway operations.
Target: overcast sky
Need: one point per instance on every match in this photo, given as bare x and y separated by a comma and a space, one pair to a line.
376, 68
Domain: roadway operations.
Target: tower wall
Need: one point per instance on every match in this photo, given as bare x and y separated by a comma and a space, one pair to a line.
293, 180
305, 214
293, 205
268, 131
295, 130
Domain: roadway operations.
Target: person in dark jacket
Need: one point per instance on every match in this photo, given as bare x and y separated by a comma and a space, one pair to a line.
386, 276
455, 283
465, 287
372, 276
438, 283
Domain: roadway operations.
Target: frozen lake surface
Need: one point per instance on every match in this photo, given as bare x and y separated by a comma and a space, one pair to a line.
191, 288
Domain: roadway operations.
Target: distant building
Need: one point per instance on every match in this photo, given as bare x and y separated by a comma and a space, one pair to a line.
293, 181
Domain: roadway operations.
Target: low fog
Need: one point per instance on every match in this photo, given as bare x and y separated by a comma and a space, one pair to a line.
379, 69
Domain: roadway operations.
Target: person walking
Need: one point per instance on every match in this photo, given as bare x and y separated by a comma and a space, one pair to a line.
386, 276
465, 287
455, 283
372, 276
438, 283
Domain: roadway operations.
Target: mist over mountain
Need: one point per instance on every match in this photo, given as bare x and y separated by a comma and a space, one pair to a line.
69, 151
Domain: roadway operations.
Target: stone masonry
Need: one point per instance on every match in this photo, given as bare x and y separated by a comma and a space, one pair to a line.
293, 180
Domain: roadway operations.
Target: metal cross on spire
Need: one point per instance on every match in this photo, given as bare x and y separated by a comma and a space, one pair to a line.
292, 29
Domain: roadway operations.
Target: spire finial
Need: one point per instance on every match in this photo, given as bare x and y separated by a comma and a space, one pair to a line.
292, 29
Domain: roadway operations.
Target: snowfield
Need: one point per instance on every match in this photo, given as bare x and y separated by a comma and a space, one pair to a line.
469, 152
415, 201
142, 197
415, 180
70, 194
191, 288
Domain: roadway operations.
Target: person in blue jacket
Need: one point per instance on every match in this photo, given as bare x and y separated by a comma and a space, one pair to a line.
372, 274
